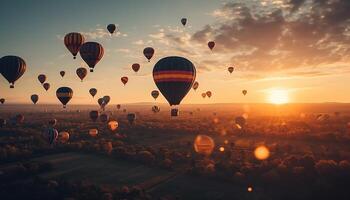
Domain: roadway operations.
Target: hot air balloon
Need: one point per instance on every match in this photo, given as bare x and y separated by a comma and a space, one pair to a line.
148, 52
118, 106
102, 103
135, 67
131, 118
208, 93
62, 73
63, 136
64, 94
73, 42
2, 100
19, 119
230, 69
155, 94
240, 122
211, 45
124, 79
93, 92
51, 135
195, 85
52, 122
183, 21
155, 109
12, 68
204, 94
204, 145
104, 118
42, 78
46, 86
94, 115
34, 98
93, 132
106, 99
111, 28
244, 92
81, 72
2, 122
91, 53
174, 77
113, 125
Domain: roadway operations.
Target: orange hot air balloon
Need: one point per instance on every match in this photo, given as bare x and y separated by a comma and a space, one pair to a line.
124, 79
93, 92
208, 93
135, 67
204, 94
91, 53
12, 68
63, 136
211, 45
195, 85
62, 73
148, 52
155, 94
113, 125
230, 69
261, 153
81, 72
244, 92
46, 86
42, 78
93, 132
73, 42
204, 145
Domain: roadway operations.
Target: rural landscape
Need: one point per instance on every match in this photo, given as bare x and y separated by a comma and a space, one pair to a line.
173, 100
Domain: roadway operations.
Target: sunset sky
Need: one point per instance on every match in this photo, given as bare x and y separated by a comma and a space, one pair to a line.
300, 47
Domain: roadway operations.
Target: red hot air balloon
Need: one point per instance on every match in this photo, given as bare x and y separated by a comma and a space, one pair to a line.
211, 45
81, 72
148, 52
62, 73
42, 78
174, 77
34, 98
230, 69
12, 68
93, 92
64, 94
94, 115
155, 94
183, 21
124, 79
73, 42
46, 86
135, 67
91, 53
111, 28
195, 85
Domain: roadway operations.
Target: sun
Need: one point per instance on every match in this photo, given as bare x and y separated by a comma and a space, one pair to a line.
278, 96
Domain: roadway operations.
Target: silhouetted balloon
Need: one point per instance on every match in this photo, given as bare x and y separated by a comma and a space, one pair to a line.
211, 45
42, 78
240, 121
94, 115
124, 79
51, 135
12, 68
62, 73
118, 106
106, 99
91, 53
19, 119
174, 77
93, 132
63, 136
113, 125
208, 93
73, 42
93, 92
183, 21
204, 94
204, 145
2, 100
46, 86
34, 98
244, 92
155, 109
102, 103
148, 52
230, 69
104, 118
131, 118
135, 67
155, 94
81, 72
64, 94
52, 122
111, 28
195, 85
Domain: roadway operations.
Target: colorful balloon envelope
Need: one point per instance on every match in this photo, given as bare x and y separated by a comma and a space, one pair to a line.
93, 132
64, 95
34, 98
91, 53
113, 125
73, 42
204, 145
12, 68
63, 136
81, 73
148, 52
135, 67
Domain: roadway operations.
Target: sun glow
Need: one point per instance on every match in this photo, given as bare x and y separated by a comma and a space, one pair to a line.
278, 96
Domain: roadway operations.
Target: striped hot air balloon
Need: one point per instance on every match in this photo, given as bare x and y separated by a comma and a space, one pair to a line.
73, 42
12, 68
64, 94
91, 53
